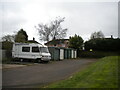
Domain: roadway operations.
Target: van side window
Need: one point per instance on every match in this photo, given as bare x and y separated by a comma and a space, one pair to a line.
25, 49
35, 49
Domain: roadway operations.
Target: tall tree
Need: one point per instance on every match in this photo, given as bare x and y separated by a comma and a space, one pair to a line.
76, 42
52, 31
21, 36
98, 34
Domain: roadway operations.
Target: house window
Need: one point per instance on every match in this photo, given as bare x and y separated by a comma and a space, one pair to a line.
25, 49
35, 49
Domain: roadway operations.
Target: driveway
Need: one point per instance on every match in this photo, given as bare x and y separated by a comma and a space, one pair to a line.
42, 74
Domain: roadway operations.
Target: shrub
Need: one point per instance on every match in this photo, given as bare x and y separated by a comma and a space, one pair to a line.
104, 44
96, 54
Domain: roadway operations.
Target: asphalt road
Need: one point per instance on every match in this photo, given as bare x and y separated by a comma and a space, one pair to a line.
42, 74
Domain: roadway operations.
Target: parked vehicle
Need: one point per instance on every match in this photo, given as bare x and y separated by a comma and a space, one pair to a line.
31, 51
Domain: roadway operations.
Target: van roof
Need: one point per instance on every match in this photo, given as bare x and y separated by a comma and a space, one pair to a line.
31, 44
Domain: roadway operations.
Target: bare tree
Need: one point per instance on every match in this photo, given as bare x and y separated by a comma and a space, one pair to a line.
57, 31
44, 31
10, 38
98, 34
52, 31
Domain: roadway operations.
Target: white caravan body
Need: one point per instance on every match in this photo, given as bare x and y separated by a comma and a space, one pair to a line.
31, 51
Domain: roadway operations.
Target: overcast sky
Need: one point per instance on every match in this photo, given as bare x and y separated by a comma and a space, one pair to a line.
81, 18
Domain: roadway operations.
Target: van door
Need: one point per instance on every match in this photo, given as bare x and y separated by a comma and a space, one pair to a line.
16, 51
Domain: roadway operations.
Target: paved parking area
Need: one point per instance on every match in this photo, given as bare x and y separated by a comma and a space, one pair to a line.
7, 66
41, 74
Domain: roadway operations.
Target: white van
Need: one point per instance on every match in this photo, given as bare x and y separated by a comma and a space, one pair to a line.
31, 51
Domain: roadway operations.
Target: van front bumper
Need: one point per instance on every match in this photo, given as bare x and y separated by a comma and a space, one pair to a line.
47, 58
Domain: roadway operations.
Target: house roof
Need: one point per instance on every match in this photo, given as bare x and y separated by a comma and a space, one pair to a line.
56, 41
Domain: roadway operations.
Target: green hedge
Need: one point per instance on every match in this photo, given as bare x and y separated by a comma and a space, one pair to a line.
96, 54
103, 44
6, 45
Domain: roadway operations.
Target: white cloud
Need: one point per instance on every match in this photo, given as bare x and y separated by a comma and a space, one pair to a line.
82, 18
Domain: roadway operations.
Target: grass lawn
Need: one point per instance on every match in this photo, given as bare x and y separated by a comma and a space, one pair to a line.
102, 74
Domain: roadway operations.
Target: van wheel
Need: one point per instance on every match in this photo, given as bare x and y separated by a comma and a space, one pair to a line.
38, 60
21, 60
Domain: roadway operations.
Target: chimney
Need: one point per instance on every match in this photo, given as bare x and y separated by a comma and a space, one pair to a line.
33, 39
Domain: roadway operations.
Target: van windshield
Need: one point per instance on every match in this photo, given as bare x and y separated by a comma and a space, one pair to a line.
44, 49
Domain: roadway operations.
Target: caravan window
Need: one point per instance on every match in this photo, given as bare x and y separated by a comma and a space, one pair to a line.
35, 49
25, 49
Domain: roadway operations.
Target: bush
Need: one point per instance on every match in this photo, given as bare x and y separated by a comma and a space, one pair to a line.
6, 45
105, 44
96, 54
6, 60
6, 56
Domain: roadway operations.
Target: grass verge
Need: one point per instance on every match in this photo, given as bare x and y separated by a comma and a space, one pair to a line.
102, 74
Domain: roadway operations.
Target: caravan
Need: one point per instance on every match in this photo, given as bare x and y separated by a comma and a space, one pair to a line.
31, 51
